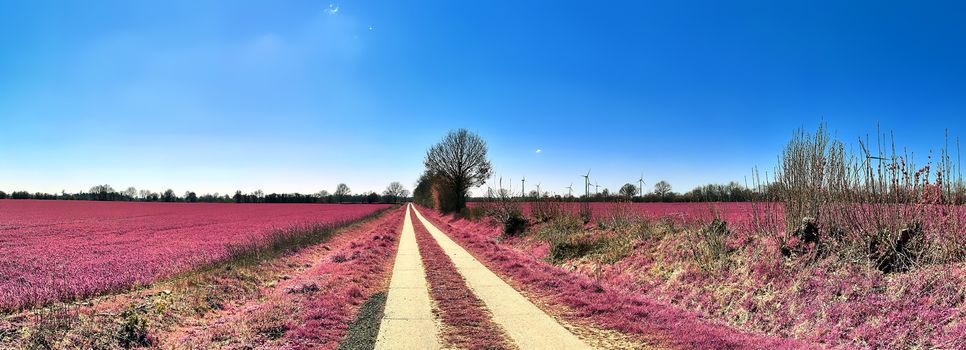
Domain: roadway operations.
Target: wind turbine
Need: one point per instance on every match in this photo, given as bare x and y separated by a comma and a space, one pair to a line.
570, 190
867, 154
523, 187
641, 187
596, 187
538, 189
587, 183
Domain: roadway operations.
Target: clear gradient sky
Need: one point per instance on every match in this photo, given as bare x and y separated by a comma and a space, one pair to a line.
287, 96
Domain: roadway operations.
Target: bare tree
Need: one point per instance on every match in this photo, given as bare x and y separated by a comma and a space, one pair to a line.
662, 188
628, 190
341, 191
460, 161
394, 191
144, 194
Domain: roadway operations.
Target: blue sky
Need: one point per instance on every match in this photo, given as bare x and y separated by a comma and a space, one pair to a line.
300, 95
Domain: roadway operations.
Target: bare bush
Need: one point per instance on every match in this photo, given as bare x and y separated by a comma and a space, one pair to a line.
586, 213
875, 207
546, 209
500, 205
620, 216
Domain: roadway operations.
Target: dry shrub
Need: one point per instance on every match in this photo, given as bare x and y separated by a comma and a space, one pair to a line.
619, 217
709, 245
271, 319
569, 239
133, 330
586, 213
571, 249
501, 206
614, 248
560, 229
563, 236
474, 213
304, 288
52, 326
544, 210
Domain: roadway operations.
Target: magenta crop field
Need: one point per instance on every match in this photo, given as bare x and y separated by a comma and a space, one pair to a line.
733, 212
730, 211
57, 250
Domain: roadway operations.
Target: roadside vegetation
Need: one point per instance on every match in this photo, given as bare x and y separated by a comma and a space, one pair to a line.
861, 249
585, 299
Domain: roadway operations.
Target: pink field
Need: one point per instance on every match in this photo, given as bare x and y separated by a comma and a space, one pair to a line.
733, 212
57, 250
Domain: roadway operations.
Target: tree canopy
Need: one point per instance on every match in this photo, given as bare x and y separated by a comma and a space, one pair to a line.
459, 162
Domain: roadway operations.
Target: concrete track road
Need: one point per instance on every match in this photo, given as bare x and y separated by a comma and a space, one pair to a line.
408, 322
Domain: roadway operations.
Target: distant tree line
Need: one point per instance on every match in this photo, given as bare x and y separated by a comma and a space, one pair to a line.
662, 192
394, 193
